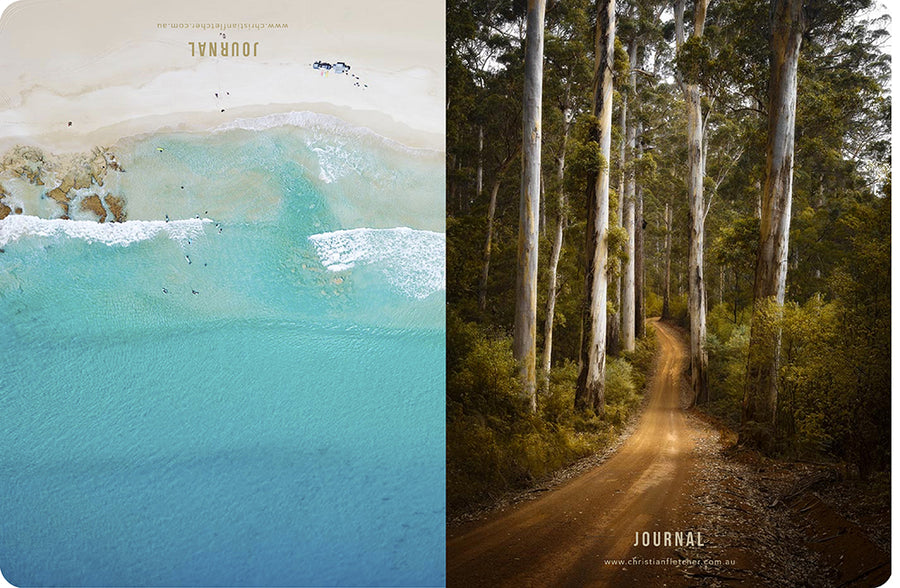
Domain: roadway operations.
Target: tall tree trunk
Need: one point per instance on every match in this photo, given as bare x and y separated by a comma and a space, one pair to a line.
761, 391
628, 271
561, 220
696, 284
480, 171
589, 390
613, 343
627, 325
488, 241
547, 357
696, 208
486, 257
639, 315
666, 313
525, 325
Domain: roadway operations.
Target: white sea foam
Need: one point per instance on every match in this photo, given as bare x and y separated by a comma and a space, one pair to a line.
411, 260
15, 227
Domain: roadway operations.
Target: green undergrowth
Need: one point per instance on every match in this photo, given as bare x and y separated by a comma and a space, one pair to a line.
833, 383
495, 444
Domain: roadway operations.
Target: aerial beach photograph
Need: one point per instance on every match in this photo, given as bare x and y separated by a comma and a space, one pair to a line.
222, 292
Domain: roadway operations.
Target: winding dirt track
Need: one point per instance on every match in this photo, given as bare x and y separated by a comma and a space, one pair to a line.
563, 538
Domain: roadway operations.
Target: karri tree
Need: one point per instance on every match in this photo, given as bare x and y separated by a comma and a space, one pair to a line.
761, 392
590, 386
525, 327
696, 204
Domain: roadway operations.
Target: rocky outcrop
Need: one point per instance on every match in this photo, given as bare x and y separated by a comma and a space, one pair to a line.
65, 176
93, 204
116, 207
61, 197
26, 162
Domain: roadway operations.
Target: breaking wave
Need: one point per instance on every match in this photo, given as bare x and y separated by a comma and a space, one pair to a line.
15, 227
411, 260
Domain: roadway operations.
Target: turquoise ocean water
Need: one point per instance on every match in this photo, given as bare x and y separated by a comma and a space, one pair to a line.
284, 425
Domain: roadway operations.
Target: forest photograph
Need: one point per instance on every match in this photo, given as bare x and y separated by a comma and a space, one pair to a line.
668, 292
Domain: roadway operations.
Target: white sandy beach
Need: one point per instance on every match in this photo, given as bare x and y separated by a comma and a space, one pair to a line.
127, 75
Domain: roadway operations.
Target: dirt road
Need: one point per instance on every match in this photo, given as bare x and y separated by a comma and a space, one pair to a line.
564, 538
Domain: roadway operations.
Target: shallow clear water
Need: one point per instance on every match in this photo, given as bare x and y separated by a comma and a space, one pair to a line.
282, 426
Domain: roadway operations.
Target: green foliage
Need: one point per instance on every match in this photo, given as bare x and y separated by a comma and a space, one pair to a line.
483, 374
678, 311
694, 60
727, 343
584, 161
834, 364
653, 302
813, 379
617, 239
621, 391
494, 444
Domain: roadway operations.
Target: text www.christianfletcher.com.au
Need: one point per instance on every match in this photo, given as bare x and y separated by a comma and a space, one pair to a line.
221, 26
667, 561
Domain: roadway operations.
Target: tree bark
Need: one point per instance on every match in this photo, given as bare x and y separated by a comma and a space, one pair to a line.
561, 221
696, 208
639, 315
589, 391
696, 284
761, 391
627, 325
525, 325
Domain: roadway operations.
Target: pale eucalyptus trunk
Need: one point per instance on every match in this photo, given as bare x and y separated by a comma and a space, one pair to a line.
525, 324
696, 284
639, 315
627, 321
696, 210
761, 391
589, 390
628, 276
561, 221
